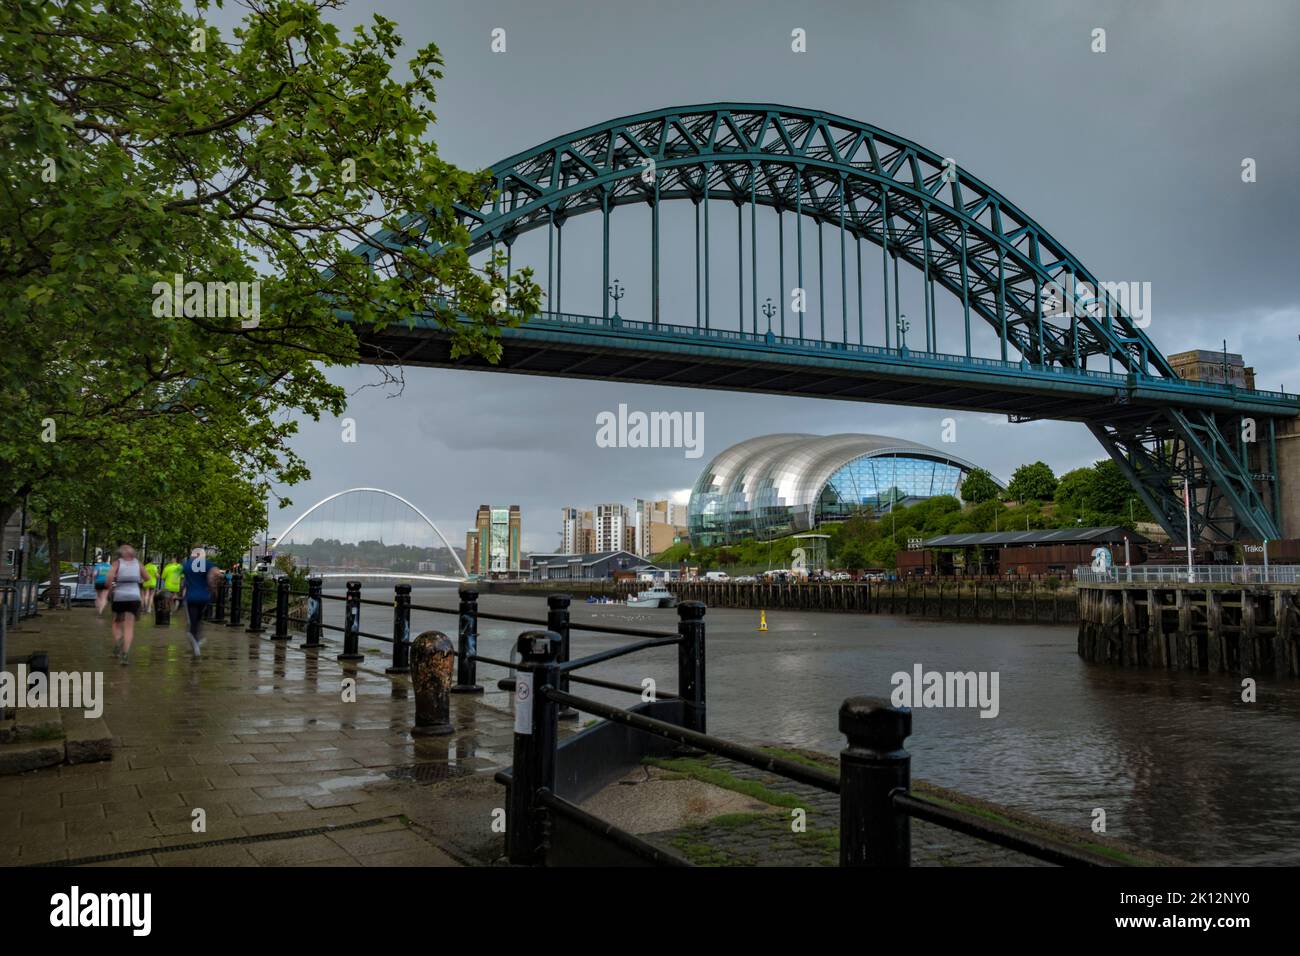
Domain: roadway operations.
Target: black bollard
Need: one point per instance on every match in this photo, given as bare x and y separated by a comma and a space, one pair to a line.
401, 630
872, 768
432, 662
557, 620
222, 593
466, 666
255, 607
236, 597
282, 608
313, 612
536, 731
162, 608
352, 624
690, 663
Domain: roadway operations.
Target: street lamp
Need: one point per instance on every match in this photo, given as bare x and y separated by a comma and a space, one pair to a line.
901, 327
769, 310
616, 292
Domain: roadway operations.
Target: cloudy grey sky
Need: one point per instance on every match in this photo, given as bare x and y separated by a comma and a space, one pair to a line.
1131, 158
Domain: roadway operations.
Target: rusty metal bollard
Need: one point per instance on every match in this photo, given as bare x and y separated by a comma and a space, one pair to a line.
432, 665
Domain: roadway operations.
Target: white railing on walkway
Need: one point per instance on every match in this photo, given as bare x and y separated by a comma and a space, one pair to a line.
1197, 574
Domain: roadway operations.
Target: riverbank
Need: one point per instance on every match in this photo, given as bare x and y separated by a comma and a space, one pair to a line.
776, 822
1033, 602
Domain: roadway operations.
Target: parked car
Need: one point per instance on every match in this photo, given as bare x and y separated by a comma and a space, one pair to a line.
717, 576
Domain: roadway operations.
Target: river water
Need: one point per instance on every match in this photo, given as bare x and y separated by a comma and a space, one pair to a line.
1178, 762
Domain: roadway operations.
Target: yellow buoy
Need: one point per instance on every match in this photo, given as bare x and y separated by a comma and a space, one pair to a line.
762, 620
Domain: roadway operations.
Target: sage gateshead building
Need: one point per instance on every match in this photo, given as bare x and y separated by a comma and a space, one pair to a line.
776, 485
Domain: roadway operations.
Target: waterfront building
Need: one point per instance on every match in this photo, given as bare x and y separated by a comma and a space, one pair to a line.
612, 528
776, 485
1207, 365
995, 553
493, 547
600, 566
578, 531
656, 524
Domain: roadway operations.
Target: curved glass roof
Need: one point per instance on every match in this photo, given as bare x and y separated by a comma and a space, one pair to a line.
777, 484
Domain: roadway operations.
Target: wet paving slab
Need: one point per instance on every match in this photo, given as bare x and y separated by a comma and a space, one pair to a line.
289, 757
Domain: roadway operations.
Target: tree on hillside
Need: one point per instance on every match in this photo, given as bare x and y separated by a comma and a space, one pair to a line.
1075, 488
1111, 492
978, 486
1033, 482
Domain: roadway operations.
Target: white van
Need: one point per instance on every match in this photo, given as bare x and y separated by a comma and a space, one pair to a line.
716, 576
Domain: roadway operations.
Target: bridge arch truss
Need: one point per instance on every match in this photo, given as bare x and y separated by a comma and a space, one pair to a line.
917, 207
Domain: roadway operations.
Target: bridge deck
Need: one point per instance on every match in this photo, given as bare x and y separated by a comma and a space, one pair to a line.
590, 347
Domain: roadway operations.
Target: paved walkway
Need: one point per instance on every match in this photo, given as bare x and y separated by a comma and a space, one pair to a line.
258, 736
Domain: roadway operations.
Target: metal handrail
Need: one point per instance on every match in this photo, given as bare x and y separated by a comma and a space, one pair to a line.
621, 838
1196, 574
960, 821
609, 655
912, 355
800, 773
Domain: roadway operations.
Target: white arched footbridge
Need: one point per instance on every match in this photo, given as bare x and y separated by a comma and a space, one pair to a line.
464, 575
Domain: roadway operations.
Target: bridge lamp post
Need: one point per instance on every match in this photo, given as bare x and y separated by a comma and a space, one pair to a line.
616, 292
902, 327
769, 310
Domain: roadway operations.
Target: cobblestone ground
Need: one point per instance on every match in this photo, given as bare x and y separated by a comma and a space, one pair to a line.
258, 736
769, 839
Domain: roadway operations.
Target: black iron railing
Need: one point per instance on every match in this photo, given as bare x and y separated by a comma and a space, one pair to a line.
873, 783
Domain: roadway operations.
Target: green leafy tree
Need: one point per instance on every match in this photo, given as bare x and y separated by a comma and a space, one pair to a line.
1111, 492
138, 144
1075, 488
1034, 482
978, 486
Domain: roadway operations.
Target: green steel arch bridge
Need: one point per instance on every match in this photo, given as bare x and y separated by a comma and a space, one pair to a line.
1063, 346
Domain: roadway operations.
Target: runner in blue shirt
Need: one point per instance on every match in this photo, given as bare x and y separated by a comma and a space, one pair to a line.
200, 578
101, 585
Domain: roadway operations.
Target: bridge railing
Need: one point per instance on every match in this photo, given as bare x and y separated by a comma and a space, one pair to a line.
910, 354
1197, 574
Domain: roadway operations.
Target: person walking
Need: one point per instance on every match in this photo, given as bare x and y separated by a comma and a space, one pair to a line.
171, 580
200, 580
124, 577
149, 587
102, 568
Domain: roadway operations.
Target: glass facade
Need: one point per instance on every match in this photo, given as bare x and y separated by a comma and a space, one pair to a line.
782, 484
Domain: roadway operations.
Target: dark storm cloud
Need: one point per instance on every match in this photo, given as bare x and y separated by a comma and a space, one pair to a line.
1131, 158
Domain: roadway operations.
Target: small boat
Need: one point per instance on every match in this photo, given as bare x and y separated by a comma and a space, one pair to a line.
657, 596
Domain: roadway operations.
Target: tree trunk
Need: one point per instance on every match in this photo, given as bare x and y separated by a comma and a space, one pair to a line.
6, 512
56, 567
